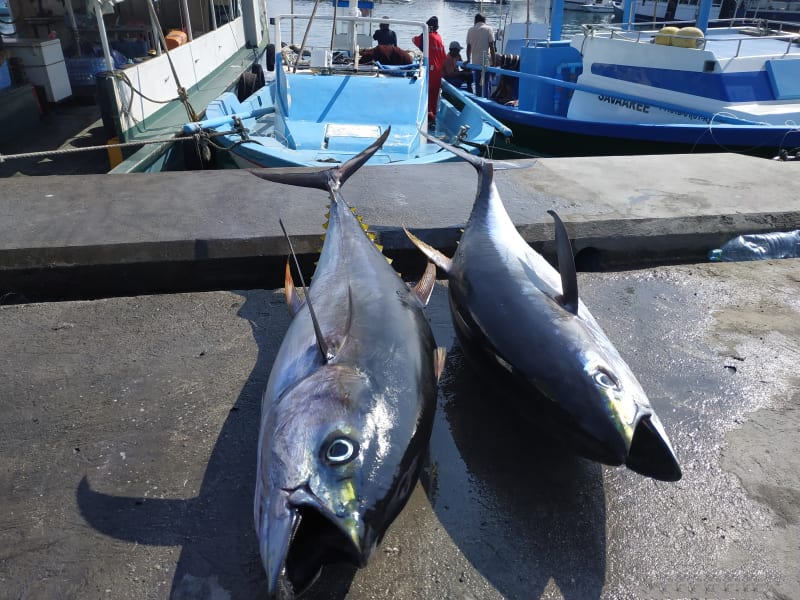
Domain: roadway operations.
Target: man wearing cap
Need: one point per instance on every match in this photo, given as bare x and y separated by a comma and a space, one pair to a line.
452, 72
383, 35
436, 58
480, 47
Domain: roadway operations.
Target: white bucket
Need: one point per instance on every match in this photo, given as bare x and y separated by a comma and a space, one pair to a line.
321, 58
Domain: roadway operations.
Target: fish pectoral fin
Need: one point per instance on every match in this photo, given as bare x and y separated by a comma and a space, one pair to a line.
293, 299
436, 257
424, 287
566, 267
439, 357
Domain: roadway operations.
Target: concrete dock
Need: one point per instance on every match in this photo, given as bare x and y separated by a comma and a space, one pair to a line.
129, 425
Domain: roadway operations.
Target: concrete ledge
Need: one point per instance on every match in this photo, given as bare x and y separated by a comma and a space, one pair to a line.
217, 229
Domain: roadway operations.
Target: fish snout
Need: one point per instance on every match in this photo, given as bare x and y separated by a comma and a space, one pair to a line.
651, 452
299, 534
276, 528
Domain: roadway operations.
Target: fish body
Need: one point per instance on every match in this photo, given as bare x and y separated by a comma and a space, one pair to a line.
514, 313
347, 412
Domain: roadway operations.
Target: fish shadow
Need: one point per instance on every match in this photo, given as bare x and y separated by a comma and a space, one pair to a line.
219, 555
524, 510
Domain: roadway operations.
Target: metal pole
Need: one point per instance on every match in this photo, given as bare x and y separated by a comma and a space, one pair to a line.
305, 36
101, 28
74, 26
154, 24
527, 23
702, 17
187, 22
333, 29
557, 20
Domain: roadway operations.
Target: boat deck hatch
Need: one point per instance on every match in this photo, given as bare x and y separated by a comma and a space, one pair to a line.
362, 131
349, 138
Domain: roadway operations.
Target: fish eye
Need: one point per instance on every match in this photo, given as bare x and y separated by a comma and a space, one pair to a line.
340, 451
606, 380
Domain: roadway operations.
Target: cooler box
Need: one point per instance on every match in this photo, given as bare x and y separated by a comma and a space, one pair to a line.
44, 65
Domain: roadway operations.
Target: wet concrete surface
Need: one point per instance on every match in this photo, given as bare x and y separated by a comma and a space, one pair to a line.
128, 441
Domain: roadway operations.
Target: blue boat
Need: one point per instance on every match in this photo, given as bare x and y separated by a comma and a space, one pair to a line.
322, 106
623, 90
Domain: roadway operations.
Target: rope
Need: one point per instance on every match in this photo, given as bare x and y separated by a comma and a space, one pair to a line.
45, 153
123, 76
182, 93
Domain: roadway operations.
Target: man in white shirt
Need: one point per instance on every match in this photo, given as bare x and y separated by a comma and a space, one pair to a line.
481, 49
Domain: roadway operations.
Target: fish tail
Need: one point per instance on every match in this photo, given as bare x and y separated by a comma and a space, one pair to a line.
481, 165
476, 161
327, 179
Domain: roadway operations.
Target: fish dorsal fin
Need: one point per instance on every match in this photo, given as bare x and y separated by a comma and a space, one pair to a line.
439, 356
436, 257
293, 299
424, 287
324, 351
566, 266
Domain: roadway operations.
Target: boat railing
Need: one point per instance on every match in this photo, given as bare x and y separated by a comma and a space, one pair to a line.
739, 36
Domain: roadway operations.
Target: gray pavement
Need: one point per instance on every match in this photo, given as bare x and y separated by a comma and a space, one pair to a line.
128, 442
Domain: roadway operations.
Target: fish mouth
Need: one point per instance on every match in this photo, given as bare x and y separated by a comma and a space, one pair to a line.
306, 538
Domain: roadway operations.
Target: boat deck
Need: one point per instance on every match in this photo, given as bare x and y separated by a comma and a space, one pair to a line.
732, 43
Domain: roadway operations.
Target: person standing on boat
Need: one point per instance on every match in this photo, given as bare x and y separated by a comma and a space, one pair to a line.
452, 72
385, 36
436, 58
481, 51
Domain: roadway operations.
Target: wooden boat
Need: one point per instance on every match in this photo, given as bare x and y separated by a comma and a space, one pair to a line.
323, 106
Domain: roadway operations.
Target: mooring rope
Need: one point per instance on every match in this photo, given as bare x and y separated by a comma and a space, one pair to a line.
197, 138
182, 93
46, 153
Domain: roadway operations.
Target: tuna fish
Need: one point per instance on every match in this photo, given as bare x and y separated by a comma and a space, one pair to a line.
348, 409
514, 312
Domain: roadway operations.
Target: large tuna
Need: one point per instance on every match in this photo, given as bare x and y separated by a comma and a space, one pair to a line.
514, 312
348, 409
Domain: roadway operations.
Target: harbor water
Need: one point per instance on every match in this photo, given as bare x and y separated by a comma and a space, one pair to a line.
455, 18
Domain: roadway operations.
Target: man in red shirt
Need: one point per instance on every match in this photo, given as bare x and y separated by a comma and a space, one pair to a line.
436, 58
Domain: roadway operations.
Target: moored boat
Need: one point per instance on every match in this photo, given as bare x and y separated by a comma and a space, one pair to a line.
660, 11
592, 6
325, 106
618, 90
